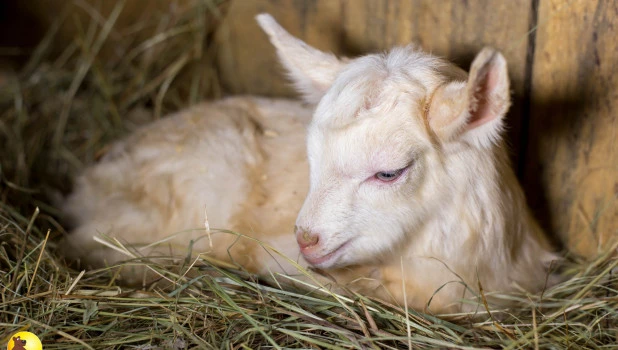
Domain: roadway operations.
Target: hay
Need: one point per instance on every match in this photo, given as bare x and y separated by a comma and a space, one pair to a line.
61, 111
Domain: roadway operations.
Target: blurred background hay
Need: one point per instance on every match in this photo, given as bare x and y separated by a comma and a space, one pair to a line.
81, 74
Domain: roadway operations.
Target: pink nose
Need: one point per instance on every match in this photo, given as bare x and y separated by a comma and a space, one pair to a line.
305, 238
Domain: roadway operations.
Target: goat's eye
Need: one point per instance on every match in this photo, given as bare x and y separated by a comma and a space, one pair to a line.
388, 176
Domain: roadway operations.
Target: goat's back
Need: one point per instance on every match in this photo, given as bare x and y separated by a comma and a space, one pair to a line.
241, 161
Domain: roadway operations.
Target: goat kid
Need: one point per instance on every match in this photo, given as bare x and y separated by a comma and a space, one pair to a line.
406, 193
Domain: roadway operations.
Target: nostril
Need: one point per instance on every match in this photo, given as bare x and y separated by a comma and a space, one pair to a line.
310, 238
305, 238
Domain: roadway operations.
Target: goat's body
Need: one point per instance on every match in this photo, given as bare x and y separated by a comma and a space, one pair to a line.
409, 197
241, 161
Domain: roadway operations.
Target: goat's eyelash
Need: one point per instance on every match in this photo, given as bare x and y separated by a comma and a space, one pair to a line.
389, 176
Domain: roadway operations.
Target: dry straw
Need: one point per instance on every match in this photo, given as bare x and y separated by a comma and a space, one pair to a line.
59, 113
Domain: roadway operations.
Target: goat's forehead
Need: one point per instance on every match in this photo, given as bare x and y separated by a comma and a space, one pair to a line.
381, 137
376, 103
378, 82
402, 117
376, 106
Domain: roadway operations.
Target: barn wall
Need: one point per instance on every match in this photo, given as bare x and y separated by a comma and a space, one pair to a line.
572, 173
562, 57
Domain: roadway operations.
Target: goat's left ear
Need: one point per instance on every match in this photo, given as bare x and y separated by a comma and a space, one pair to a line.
473, 110
311, 70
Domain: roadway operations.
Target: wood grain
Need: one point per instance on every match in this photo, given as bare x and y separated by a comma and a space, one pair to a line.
573, 152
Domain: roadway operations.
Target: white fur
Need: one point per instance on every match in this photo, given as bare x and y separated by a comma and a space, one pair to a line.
456, 216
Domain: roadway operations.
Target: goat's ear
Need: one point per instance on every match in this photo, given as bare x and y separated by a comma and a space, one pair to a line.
312, 71
474, 109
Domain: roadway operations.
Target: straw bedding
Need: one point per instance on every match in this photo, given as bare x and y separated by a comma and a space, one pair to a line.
62, 108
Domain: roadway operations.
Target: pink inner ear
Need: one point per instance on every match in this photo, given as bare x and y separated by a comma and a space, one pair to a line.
482, 108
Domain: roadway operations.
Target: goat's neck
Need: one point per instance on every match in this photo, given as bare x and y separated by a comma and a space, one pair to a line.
481, 207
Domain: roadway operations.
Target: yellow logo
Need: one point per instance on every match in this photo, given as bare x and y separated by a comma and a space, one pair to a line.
24, 341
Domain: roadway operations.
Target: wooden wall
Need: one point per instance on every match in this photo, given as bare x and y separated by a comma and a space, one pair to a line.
572, 158
562, 57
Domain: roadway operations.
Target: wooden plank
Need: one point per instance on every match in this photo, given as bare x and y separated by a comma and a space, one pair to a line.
456, 30
573, 149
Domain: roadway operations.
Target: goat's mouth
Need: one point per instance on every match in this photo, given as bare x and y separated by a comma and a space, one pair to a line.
327, 260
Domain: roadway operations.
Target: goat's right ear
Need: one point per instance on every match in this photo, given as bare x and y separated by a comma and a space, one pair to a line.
312, 71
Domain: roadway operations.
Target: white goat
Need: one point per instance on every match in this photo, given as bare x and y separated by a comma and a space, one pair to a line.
408, 187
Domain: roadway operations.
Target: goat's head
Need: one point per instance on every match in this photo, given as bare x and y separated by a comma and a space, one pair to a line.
385, 129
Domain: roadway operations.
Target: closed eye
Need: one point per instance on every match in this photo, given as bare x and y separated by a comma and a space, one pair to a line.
389, 176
